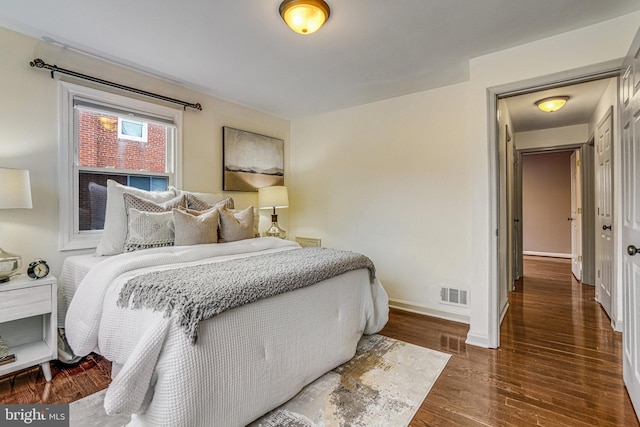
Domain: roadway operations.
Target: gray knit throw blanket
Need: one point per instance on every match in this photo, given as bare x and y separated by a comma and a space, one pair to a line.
200, 292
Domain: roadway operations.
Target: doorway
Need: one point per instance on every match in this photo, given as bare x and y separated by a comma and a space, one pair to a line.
547, 218
506, 218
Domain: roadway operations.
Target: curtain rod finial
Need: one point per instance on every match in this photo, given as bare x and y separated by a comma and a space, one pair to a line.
38, 63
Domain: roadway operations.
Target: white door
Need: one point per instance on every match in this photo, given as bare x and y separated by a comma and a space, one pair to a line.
576, 217
604, 214
630, 115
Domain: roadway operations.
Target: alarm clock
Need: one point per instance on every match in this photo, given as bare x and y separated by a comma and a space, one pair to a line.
38, 269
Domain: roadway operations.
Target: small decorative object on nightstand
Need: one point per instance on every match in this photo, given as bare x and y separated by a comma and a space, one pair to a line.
28, 323
38, 269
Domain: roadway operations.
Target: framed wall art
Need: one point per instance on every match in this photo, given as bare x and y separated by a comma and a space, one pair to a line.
250, 160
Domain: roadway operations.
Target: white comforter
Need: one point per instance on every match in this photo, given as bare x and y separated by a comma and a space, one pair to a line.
246, 362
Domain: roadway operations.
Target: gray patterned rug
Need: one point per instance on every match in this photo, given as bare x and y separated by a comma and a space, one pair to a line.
383, 385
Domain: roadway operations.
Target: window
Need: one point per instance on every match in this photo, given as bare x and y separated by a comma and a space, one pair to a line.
133, 130
106, 136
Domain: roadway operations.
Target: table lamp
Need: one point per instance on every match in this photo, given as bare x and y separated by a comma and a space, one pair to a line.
271, 198
15, 193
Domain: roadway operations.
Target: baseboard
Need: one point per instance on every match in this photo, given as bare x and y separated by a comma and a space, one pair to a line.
503, 312
478, 340
547, 254
617, 325
428, 311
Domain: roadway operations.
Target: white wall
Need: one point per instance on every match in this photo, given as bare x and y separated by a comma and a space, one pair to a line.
29, 123
553, 137
389, 179
408, 181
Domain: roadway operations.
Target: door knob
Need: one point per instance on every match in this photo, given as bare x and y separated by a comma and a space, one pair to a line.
632, 250
516, 220
569, 219
606, 227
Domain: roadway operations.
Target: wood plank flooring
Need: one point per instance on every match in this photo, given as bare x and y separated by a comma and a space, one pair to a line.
559, 363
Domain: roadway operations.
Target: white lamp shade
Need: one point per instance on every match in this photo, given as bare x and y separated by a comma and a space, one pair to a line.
273, 197
15, 189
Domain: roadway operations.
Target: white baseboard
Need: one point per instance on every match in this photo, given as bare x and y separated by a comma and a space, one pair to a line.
428, 311
503, 312
478, 340
547, 254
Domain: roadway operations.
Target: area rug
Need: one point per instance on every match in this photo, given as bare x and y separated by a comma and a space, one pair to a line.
383, 385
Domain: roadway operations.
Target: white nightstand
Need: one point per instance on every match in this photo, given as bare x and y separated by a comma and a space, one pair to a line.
28, 322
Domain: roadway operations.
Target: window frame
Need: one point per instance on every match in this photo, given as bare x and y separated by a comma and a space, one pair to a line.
70, 237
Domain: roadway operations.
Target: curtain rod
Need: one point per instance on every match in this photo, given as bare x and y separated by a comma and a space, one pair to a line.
39, 63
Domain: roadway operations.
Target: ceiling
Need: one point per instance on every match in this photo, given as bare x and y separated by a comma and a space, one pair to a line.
241, 51
583, 100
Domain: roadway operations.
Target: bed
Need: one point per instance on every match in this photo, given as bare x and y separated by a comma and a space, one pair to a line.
246, 361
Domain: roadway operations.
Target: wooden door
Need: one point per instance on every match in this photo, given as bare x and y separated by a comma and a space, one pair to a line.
576, 217
630, 115
604, 213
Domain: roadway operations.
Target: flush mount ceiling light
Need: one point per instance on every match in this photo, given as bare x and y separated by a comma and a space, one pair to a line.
549, 105
304, 16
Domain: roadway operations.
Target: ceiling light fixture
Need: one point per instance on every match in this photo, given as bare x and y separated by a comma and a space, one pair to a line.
549, 105
304, 16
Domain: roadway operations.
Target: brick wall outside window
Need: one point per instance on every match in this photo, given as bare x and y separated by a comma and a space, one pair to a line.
99, 145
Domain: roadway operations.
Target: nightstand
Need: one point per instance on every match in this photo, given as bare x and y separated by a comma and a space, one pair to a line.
28, 322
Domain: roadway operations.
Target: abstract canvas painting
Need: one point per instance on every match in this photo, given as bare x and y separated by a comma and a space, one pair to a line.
251, 160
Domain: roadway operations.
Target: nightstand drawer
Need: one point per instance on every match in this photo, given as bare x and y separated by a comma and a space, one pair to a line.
21, 303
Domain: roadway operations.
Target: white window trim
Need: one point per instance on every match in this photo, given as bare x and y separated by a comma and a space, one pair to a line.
69, 236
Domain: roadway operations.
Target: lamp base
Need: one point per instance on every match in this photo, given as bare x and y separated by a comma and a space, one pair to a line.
9, 265
275, 231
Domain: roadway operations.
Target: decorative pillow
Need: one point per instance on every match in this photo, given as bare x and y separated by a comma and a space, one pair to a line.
149, 230
135, 202
235, 225
256, 220
197, 204
115, 221
195, 228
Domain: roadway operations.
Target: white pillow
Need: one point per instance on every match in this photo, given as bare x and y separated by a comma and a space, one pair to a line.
115, 221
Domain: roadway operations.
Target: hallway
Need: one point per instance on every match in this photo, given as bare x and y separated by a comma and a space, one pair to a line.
559, 364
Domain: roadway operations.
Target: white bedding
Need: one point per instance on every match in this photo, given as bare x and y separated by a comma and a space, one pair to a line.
246, 362
73, 271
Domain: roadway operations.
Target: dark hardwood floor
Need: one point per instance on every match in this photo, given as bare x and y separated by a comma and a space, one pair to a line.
559, 363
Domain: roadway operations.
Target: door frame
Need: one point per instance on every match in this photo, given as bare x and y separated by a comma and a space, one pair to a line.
579, 75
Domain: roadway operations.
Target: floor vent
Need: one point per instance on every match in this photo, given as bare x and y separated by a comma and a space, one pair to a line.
454, 296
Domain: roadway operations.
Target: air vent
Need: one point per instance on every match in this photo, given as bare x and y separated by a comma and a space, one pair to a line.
454, 296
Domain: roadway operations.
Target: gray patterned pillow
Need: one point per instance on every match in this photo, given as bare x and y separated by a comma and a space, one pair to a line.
235, 225
194, 227
149, 230
197, 204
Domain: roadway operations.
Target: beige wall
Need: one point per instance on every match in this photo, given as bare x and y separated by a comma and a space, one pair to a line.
29, 123
546, 203
408, 180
